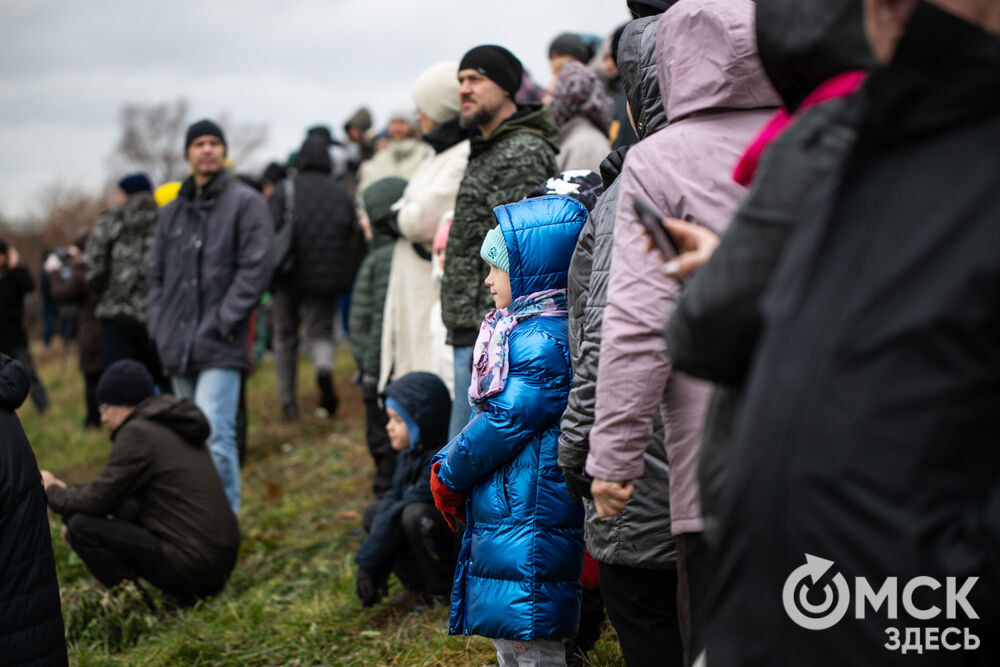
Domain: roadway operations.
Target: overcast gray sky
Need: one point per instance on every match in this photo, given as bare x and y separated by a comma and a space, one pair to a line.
66, 67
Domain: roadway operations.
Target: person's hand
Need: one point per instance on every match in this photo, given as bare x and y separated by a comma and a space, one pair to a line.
75, 256
610, 497
447, 500
697, 243
13, 258
48, 479
367, 588
64, 533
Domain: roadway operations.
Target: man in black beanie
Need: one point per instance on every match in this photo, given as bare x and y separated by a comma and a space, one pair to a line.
512, 152
211, 262
157, 510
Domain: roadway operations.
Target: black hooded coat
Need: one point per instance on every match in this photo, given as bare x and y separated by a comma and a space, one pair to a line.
325, 224
426, 399
31, 626
869, 432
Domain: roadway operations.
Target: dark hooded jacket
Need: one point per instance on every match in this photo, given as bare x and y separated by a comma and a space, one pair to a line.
31, 626
211, 264
869, 432
159, 458
639, 536
325, 225
713, 331
503, 168
426, 399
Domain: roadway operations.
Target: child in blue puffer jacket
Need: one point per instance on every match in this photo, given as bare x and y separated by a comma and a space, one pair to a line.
517, 579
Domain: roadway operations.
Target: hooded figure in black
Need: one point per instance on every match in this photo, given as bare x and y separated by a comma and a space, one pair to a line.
325, 224
406, 533
31, 626
867, 444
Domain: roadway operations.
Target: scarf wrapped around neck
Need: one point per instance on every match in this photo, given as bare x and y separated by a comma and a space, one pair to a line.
491, 355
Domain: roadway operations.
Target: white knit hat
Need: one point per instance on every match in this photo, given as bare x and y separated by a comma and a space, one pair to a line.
435, 92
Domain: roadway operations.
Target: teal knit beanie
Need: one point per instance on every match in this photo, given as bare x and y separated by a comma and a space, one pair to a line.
494, 249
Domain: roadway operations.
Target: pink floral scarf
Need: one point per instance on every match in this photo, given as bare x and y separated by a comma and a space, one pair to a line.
491, 354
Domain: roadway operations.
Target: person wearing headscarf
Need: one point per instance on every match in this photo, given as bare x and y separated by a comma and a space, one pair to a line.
582, 111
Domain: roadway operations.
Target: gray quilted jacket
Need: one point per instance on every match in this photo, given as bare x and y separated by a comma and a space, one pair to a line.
640, 535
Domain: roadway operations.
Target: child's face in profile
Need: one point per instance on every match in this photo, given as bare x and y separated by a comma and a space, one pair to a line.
499, 283
399, 436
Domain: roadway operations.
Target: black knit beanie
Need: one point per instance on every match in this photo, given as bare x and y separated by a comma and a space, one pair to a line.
497, 64
202, 128
125, 382
133, 183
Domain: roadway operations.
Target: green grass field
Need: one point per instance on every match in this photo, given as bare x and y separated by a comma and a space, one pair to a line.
290, 600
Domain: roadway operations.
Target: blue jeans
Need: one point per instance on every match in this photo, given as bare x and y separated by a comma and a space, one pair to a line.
216, 392
461, 411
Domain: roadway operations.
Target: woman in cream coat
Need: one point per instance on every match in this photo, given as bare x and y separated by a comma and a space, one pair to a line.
412, 340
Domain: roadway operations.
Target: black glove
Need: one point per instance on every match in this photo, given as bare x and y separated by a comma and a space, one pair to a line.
366, 586
577, 483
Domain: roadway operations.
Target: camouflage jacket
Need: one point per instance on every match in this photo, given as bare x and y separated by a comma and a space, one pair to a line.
117, 258
503, 168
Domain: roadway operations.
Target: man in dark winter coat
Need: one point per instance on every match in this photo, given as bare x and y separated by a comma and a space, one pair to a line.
15, 283
512, 153
866, 450
117, 265
406, 533
635, 551
211, 264
325, 222
157, 510
31, 626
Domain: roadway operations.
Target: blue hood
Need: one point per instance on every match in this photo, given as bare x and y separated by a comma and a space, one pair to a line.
541, 235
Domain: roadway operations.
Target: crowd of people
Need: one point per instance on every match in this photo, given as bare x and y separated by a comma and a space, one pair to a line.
714, 308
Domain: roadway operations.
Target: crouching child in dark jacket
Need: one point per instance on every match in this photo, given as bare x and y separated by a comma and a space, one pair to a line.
517, 580
406, 534
157, 511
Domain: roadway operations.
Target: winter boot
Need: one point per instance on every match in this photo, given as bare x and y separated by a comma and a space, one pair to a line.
327, 396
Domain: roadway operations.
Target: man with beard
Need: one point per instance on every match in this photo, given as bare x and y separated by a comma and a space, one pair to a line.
513, 151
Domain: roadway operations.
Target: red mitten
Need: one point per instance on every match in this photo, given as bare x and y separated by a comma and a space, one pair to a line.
446, 499
590, 577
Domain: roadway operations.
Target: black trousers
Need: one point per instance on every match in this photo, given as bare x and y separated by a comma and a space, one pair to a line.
114, 550
642, 606
378, 442
425, 561
90, 398
121, 339
691, 554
